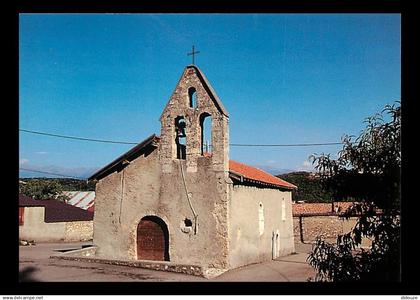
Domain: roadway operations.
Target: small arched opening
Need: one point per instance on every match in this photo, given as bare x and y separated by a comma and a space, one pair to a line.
206, 134
283, 209
192, 97
152, 239
180, 137
261, 218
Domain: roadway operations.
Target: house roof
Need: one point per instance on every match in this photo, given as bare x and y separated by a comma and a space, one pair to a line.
92, 208
319, 209
254, 175
80, 199
238, 171
56, 211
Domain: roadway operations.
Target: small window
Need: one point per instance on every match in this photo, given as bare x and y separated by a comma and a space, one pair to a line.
186, 226
188, 222
261, 218
181, 138
192, 96
283, 209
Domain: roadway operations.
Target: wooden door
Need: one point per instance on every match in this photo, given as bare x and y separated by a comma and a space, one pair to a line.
151, 242
21, 215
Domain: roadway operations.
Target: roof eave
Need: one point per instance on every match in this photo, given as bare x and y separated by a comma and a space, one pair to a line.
150, 140
241, 178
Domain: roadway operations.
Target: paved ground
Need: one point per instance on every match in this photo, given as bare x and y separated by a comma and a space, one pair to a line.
288, 268
35, 265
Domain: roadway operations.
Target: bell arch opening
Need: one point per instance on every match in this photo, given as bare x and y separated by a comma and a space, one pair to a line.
180, 137
206, 133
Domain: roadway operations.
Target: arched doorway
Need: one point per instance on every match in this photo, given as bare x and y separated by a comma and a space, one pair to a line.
152, 239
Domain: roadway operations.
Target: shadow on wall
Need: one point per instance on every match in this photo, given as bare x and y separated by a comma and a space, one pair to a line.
26, 274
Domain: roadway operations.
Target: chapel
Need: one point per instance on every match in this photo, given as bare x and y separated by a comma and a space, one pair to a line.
177, 197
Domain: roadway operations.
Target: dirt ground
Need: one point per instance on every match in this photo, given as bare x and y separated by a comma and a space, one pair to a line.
35, 264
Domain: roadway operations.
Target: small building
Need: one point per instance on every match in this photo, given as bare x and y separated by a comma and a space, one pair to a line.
178, 197
53, 221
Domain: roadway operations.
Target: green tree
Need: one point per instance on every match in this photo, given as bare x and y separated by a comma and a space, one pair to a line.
310, 187
67, 184
367, 170
42, 189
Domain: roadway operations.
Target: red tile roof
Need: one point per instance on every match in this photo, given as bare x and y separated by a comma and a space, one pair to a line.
299, 209
254, 174
56, 211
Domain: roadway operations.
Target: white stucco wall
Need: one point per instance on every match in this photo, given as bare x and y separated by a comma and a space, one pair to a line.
34, 228
246, 244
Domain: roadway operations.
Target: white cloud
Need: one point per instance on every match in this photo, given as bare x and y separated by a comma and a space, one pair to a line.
306, 166
41, 152
23, 161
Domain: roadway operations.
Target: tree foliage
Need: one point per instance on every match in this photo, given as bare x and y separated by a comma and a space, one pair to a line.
367, 170
40, 189
67, 184
310, 188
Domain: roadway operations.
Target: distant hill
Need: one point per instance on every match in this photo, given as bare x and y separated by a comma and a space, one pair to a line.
68, 184
273, 170
309, 187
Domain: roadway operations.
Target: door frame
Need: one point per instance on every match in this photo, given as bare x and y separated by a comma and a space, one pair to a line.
162, 224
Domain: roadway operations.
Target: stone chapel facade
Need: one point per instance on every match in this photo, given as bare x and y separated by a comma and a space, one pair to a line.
174, 198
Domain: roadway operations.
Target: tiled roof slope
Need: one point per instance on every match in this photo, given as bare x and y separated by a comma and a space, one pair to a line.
56, 211
253, 174
308, 209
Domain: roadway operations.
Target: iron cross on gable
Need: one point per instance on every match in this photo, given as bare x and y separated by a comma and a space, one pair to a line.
193, 54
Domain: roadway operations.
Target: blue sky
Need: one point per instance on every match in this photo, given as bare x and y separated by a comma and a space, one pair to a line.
284, 78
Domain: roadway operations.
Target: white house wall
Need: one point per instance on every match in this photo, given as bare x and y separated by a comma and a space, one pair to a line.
247, 245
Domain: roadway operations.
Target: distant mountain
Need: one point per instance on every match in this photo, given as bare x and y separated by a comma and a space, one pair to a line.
282, 171
70, 172
274, 170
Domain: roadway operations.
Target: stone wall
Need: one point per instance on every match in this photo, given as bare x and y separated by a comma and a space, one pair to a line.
153, 265
328, 226
79, 231
178, 106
